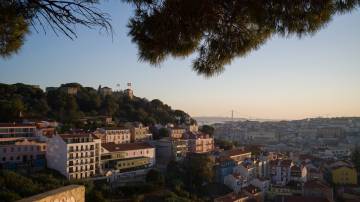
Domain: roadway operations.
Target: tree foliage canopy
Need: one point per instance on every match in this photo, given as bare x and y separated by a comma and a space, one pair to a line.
218, 31
32, 103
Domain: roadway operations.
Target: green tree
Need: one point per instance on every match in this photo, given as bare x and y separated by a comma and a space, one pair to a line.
355, 158
109, 106
218, 31
163, 132
155, 177
207, 129
224, 144
10, 110
199, 171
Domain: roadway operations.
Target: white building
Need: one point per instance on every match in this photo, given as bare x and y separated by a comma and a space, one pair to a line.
236, 182
280, 171
76, 156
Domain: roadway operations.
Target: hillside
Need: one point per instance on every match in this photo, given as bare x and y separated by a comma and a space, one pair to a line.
21, 101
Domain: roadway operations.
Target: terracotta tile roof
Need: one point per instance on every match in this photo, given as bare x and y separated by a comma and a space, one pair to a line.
112, 147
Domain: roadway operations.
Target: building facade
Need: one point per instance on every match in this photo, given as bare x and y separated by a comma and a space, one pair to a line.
22, 153
140, 133
115, 135
8, 130
121, 158
76, 156
200, 143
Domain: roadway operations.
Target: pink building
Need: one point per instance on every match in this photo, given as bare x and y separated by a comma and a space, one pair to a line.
22, 152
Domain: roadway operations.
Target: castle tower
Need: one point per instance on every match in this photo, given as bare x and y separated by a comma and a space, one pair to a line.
129, 92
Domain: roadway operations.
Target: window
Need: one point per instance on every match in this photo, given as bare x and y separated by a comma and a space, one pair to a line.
4, 158
12, 149
4, 150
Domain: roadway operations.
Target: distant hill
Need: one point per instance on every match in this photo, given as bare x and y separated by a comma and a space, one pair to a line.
70, 102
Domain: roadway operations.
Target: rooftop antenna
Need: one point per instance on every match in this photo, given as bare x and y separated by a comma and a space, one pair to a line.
232, 115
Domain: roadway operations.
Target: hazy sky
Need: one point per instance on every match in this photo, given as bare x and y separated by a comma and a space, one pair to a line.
287, 78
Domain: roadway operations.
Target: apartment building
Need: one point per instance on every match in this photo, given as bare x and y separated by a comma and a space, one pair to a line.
115, 135
341, 173
8, 130
168, 149
177, 133
280, 171
199, 142
76, 156
22, 153
140, 133
236, 182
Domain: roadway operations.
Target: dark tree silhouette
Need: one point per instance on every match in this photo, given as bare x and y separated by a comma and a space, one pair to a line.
60, 16
218, 31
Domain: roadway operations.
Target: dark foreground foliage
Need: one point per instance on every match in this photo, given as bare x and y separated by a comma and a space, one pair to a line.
218, 31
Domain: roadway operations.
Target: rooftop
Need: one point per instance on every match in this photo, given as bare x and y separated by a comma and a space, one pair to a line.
112, 147
14, 125
236, 152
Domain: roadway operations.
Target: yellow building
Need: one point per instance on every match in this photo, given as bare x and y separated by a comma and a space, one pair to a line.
344, 175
